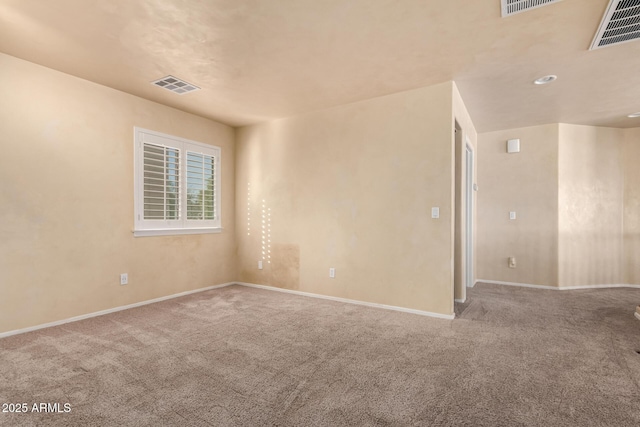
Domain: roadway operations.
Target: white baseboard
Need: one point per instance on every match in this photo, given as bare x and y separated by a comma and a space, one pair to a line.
110, 310
623, 285
460, 300
522, 285
351, 301
181, 294
307, 294
558, 288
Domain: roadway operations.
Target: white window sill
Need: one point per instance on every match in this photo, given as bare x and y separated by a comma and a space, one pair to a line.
175, 231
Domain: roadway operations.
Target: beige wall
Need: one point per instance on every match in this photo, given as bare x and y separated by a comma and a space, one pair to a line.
527, 183
67, 200
575, 188
630, 158
590, 194
352, 188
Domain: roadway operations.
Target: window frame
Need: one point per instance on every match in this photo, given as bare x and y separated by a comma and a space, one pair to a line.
183, 225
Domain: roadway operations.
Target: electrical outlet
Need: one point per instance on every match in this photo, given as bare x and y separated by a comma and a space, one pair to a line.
124, 278
512, 262
332, 273
259, 265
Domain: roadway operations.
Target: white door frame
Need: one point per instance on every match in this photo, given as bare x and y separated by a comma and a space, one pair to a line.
468, 232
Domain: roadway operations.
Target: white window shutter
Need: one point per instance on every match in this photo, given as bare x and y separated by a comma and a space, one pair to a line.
161, 167
201, 183
177, 185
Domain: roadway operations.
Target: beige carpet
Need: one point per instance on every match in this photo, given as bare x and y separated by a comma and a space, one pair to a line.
248, 357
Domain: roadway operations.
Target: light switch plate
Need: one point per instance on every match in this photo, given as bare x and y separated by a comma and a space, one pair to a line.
512, 215
435, 212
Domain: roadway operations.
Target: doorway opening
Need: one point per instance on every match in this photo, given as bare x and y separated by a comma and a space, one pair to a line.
463, 230
469, 215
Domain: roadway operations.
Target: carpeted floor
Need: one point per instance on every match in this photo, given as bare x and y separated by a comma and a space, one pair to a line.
249, 357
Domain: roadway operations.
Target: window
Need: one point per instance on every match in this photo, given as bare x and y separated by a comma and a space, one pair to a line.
177, 185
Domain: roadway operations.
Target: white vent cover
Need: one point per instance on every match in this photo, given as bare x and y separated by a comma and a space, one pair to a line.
176, 85
620, 24
511, 7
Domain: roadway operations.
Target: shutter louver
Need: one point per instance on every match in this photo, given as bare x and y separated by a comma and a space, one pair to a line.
161, 182
201, 197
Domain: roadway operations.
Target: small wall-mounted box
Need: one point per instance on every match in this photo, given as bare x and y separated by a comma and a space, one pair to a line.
513, 146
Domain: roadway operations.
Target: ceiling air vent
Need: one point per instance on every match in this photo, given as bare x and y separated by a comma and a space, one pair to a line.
176, 85
620, 24
511, 7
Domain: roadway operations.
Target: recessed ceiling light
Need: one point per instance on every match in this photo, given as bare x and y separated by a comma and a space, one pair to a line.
544, 80
634, 115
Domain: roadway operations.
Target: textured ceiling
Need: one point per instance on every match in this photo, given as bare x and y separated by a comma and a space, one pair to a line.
257, 60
